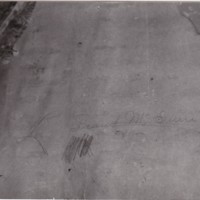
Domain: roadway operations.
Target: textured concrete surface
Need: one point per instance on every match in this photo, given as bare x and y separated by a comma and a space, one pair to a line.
102, 103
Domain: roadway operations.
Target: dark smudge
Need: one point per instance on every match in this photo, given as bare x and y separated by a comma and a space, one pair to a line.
77, 146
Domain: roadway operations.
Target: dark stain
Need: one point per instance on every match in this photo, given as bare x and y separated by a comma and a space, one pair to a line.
120, 133
69, 170
15, 28
151, 78
80, 43
5, 8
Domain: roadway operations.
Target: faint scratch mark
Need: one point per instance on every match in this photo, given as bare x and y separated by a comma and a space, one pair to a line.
191, 11
77, 146
36, 126
39, 122
40, 144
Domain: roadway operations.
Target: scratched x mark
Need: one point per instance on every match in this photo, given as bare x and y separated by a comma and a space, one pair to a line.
77, 146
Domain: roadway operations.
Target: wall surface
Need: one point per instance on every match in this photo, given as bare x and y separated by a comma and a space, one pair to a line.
103, 102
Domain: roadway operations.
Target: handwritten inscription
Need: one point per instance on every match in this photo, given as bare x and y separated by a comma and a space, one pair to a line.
77, 146
138, 118
132, 117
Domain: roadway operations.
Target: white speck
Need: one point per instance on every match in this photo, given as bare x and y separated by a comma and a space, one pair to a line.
15, 52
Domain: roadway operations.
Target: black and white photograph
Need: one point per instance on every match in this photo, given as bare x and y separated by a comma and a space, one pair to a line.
100, 100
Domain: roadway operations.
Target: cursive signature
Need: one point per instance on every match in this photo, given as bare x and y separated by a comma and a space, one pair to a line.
138, 118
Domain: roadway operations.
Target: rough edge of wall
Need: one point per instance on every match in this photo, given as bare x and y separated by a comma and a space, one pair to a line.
12, 28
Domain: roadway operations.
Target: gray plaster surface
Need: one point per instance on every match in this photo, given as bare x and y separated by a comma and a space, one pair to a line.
103, 102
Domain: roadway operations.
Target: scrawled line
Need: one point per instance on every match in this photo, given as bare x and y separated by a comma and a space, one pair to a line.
77, 146
35, 127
